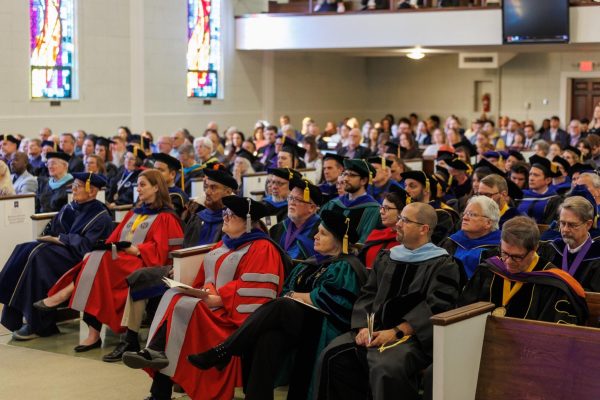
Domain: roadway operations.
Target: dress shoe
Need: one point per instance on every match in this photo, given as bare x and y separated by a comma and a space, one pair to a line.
43, 307
217, 357
24, 333
82, 348
117, 354
145, 358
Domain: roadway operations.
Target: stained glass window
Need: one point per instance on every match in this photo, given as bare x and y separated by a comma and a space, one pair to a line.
204, 48
52, 48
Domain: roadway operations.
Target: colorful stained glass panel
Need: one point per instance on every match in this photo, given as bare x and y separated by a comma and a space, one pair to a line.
52, 48
204, 48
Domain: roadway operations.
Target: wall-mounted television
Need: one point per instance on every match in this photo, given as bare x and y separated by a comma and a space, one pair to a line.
535, 21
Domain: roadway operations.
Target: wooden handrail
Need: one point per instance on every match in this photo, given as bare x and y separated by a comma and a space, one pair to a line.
192, 251
257, 192
43, 216
462, 313
17, 196
123, 207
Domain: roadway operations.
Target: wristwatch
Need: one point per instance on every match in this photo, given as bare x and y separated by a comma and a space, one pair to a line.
399, 332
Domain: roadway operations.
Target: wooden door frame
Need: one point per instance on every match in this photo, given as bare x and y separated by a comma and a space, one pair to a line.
566, 86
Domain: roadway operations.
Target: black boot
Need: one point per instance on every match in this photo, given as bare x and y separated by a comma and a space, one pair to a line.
217, 357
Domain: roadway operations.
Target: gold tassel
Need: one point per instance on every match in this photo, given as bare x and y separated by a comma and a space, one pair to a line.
383, 162
291, 175
306, 192
345, 241
88, 183
408, 200
249, 218
450, 181
595, 224
427, 185
398, 152
282, 140
182, 178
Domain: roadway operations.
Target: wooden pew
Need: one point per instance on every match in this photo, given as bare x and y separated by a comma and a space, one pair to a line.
186, 262
479, 356
593, 302
198, 190
39, 222
15, 224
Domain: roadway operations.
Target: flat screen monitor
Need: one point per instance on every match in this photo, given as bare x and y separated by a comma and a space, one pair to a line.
535, 21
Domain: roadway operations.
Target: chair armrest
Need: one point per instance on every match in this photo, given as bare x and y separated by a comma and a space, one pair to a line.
462, 313
43, 216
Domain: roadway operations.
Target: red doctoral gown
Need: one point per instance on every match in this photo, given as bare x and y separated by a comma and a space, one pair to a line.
101, 289
245, 278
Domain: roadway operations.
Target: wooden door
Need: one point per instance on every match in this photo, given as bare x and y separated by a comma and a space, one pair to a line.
585, 95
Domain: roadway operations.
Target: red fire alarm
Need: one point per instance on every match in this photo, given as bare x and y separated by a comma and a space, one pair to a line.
586, 66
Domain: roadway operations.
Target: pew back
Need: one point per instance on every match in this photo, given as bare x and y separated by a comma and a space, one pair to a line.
186, 262
593, 302
531, 359
15, 224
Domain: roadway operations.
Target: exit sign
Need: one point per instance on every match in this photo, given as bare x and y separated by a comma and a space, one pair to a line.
586, 66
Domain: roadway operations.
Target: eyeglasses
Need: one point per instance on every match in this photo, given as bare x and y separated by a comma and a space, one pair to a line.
504, 256
350, 175
385, 209
489, 195
470, 214
292, 199
276, 183
405, 220
570, 225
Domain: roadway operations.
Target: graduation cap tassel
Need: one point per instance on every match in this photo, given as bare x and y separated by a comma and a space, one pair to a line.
383, 162
182, 179
88, 183
249, 218
595, 224
306, 192
113, 250
345, 241
291, 175
450, 181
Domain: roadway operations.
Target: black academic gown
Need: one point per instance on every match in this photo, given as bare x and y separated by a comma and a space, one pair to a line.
122, 186
51, 200
395, 292
588, 273
328, 191
34, 267
76, 164
539, 298
508, 215
203, 227
195, 173
302, 247
447, 221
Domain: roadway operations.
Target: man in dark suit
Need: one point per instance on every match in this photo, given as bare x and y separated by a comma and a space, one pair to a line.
67, 145
575, 132
555, 134
354, 149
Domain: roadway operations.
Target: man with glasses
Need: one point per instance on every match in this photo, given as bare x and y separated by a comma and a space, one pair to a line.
479, 236
523, 285
408, 284
296, 233
35, 266
496, 188
278, 182
424, 188
541, 201
574, 251
357, 176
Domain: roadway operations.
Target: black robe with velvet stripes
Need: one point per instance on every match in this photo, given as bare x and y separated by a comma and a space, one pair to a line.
588, 273
538, 299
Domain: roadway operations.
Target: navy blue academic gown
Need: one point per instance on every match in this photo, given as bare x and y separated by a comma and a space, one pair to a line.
34, 267
541, 207
179, 198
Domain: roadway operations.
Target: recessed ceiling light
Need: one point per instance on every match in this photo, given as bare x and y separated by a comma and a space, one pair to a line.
416, 54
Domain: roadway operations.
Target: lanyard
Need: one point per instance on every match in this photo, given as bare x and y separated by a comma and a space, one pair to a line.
509, 290
578, 259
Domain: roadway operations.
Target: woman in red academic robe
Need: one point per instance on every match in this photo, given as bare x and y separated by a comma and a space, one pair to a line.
393, 203
242, 272
144, 238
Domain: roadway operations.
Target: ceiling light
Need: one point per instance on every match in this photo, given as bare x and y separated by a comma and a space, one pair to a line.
416, 54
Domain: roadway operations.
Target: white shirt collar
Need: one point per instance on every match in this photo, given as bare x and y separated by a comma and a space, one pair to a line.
576, 250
